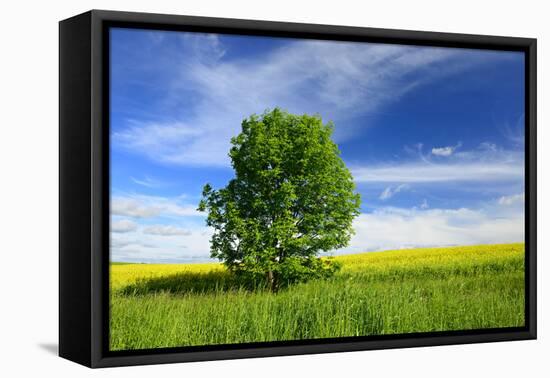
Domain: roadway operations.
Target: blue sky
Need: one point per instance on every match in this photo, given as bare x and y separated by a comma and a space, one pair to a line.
433, 136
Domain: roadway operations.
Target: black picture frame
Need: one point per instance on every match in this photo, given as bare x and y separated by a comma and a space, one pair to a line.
84, 187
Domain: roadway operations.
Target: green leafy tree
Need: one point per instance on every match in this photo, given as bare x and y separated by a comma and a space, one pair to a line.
292, 197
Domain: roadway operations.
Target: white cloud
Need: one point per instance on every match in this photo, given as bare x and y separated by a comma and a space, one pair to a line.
487, 163
156, 247
147, 182
480, 165
431, 173
488, 146
515, 133
512, 199
153, 242
122, 226
443, 151
424, 205
132, 208
389, 192
393, 228
166, 230
383, 229
141, 206
339, 80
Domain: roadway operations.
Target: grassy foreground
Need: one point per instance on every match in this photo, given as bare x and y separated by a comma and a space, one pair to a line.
392, 292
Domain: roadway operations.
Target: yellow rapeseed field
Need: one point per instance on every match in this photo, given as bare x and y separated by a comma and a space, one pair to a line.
375, 293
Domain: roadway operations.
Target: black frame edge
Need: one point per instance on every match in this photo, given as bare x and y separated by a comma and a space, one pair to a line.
412, 342
100, 172
75, 334
531, 181
322, 31
95, 354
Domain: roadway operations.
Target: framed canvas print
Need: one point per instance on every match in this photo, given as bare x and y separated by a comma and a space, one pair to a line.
234, 188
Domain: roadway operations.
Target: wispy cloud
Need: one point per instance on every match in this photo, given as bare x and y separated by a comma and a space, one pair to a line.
162, 243
390, 191
424, 205
166, 230
512, 199
488, 146
515, 133
467, 166
336, 79
141, 206
123, 226
422, 173
147, 182
442, 151
445, 151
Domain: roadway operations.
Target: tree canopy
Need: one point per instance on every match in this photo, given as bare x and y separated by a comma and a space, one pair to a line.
292, 197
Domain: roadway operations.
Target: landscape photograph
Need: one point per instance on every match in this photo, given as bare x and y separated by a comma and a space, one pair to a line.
267, 189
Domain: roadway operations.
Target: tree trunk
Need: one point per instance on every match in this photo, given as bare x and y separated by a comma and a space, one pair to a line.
272, 281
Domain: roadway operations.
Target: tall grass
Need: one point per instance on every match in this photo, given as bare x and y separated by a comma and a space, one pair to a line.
380, 293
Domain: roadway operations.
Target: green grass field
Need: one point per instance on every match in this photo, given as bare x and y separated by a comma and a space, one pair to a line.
392, 292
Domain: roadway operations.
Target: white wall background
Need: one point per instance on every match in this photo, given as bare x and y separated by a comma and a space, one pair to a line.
29, 186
